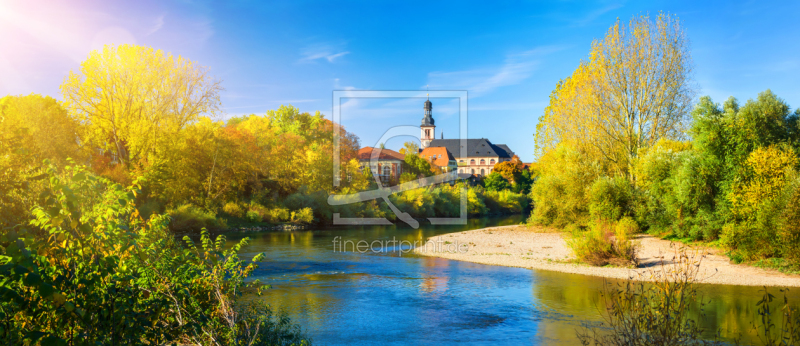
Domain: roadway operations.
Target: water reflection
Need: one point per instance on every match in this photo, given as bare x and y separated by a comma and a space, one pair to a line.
393, 298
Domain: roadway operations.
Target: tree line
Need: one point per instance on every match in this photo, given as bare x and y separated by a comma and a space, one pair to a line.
622, 141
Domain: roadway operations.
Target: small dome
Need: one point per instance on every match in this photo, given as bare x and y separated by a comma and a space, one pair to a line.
428, 105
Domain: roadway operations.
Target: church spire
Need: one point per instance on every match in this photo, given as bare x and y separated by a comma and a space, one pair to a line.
428, 128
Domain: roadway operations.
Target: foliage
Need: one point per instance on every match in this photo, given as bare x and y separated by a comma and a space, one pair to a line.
602, 244
305, 215
87, 269
417, 166
559, 196
134, 100
234, 209
409, 148
496, 182
445, 201
634, 89
191, 218
279, 215
627, 225
769, 169
510, 170
654, 309
610, 198
44, 127
253, 216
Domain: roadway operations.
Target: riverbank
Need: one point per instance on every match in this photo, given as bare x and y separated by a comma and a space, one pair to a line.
540, 248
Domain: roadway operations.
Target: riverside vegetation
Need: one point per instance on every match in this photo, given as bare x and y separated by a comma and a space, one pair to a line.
92, 189
88, 269
656, 309
622, 146
133, 112
622, 150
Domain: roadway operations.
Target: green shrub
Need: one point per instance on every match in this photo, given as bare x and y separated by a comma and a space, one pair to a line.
234, 209
610, 198
150, 207
559, 194
129, 281
789, 224
279, 215
602, 244
627, 225
252, 216
258, 209
193, 218
305, 215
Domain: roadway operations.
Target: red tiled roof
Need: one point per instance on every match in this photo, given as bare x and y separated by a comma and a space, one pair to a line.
437, 155
365, 153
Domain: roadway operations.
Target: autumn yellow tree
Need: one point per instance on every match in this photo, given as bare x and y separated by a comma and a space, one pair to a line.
634, 89
133, 100
45, 128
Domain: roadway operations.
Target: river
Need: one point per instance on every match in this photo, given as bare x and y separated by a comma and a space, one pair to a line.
387, 297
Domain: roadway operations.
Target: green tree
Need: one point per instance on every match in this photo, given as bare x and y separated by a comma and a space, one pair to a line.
496, 182
417, 166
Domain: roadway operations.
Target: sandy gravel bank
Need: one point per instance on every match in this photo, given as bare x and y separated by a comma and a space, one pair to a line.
519, 246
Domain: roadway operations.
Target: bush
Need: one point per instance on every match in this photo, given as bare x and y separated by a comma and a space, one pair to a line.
189, 217
654, 309
627, 225
234, 209
149, 208
789, 224
279, 215
128, 282
253, 216
305, 215
559, 194
610, 198
258, 209
602, 245
659, 308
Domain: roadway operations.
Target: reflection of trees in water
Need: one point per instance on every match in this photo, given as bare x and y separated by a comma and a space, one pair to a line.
574, 298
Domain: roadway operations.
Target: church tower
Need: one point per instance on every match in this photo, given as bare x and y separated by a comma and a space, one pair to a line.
427, 127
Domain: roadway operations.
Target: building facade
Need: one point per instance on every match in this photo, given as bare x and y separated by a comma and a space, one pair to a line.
388, 164
471, 156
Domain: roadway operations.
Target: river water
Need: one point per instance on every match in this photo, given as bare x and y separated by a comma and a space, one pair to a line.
387, 297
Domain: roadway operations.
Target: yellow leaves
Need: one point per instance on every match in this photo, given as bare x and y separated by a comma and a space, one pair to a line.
770, 169
135, 98
633, 90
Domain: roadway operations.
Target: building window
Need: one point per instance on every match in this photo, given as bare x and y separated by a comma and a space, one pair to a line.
473, 171
482, 172
472, 162
483, 162
427, 133
491, 162
387, 172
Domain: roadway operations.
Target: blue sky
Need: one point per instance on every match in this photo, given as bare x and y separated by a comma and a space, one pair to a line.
507, 55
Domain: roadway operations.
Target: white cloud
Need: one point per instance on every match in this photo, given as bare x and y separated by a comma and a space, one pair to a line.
480, 81
319, 51
157, 25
